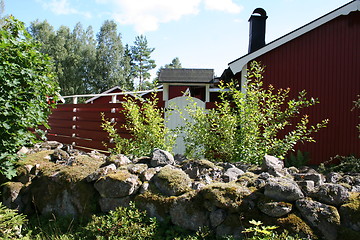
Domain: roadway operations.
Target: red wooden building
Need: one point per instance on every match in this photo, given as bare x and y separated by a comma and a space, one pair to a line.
322, 57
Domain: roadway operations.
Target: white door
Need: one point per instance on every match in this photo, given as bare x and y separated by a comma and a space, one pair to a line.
175, 119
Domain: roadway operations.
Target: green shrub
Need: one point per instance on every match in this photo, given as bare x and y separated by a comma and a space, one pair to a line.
246, 126
349, 164
298, 160
145, 122
26, 83
260, 232
122, 223
357, 105
11, 223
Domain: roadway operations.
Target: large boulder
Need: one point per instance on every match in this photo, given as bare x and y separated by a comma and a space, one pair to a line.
333, 194
283, 189
171, 181
117, 185
274, 208
232, 174
323, 217
272, 165
10, 195
229, 196
350, 212
189, 214
161, 158
156, 205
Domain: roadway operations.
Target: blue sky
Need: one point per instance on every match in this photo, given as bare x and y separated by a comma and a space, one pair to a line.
201, 33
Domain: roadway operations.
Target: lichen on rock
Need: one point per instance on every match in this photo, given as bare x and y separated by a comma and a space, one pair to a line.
171, 181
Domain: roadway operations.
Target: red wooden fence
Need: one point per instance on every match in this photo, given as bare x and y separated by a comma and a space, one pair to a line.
80, 125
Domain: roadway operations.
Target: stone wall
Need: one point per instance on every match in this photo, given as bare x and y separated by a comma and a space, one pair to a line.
192, 193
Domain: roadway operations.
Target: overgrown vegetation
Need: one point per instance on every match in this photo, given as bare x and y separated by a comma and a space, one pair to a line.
145, 122
297, 160
343, 164
246, 126
357, 105
122, 223
27, 91
11, 223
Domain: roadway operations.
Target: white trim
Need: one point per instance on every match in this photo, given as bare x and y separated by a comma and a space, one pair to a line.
237, 65
165, 92
207, 93
107, 91
137, 93
244, 78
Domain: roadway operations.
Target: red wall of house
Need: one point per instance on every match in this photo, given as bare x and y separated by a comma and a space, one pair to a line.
326, 63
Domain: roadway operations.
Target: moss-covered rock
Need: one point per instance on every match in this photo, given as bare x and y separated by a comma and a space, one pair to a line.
188, 213
10, 195
117, 185
62, 189
273, 208
324, 218
171, 181
155, 204
350, 212
229, 196
295, 225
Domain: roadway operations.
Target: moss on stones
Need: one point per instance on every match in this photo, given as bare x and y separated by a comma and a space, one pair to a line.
350, 212
295, 225
156, 205
229, 196
172, 181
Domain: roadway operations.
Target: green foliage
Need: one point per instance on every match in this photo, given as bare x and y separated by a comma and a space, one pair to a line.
11, 223
145, 122
349, 164
26, 83
51, 227
246, 126
123, 223
84, 64
260, 232
357, 105
298, 160
141, 59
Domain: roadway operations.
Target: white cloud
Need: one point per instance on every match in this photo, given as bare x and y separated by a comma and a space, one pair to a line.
223, 5
147, 15
62, 7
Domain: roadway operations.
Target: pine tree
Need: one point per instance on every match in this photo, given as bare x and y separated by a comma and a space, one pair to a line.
142, 62
109, 58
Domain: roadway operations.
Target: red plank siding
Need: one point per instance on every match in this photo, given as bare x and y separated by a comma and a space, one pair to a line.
326, 63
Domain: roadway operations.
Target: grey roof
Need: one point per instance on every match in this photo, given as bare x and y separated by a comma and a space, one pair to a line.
186, 75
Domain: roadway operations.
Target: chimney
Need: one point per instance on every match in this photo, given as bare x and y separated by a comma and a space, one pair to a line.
257, 29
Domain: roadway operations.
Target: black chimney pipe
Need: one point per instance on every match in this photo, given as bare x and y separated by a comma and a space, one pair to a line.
257, 29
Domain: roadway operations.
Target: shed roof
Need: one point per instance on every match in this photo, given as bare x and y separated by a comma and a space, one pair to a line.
186, 75
238, 64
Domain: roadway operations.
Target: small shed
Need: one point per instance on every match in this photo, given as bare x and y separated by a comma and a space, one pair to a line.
187, 81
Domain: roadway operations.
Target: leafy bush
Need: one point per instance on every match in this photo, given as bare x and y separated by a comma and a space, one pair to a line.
298, 160
145, 122
357, 105
123, 223
26, 82
246, 126
10, 223
260, 232
349, 164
